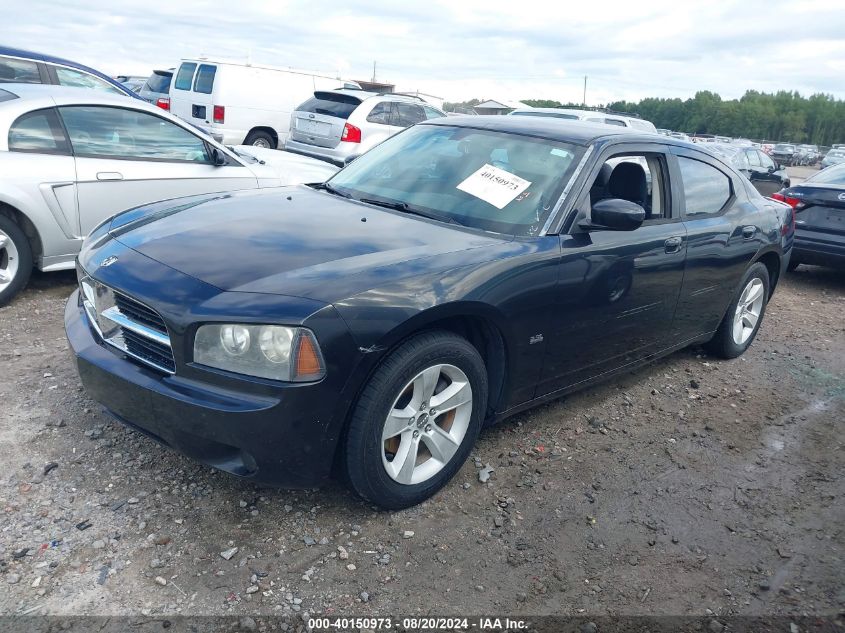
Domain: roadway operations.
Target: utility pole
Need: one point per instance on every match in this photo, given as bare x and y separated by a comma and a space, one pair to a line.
374, 71
584, 102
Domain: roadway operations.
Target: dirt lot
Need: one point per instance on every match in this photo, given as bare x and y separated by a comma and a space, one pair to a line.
688, 486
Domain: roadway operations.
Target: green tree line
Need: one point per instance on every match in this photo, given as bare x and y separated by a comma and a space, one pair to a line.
782, 116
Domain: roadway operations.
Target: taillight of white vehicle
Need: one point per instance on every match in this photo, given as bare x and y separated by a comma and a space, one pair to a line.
219, 114
163, 103
351, 134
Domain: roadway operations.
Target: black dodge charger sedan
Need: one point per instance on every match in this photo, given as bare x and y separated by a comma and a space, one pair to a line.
460, 272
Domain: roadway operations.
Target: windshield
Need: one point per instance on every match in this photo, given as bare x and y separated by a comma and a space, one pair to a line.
494, 181
784, 148
831, 176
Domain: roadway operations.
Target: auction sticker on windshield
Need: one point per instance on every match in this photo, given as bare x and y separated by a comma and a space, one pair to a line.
494, 185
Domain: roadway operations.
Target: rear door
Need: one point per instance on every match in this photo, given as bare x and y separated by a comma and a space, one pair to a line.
202, 107
723, 234
321, 119
126, 157
180, 90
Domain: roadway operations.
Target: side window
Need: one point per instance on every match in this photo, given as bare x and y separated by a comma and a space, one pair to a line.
109, 132
79, 79
380, 113
753, 158
408, 114
19, 71
185, 76
638, 178
204, 81
765, 161
706, 189
38, 132
431, 113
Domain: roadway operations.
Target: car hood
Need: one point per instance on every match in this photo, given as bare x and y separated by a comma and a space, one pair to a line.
295, 241
287, 167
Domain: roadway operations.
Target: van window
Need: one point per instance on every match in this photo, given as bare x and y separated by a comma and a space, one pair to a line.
331, 104
18, 71
185, 76
205, 79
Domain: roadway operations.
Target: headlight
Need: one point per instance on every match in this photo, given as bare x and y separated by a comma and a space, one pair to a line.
266, 351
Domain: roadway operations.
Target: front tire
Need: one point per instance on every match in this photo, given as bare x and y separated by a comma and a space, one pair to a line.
742, 321
15, 259
416, 420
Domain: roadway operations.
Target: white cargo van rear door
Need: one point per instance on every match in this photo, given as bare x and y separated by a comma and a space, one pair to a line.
191, 93
180, 90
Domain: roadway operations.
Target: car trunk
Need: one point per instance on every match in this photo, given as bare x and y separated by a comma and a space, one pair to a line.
823, 209
320, 120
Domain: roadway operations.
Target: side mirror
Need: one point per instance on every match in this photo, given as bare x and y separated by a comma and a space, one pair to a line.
614, 214
349, 159
218, 158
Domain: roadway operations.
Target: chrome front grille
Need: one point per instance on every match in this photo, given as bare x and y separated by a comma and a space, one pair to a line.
126, 324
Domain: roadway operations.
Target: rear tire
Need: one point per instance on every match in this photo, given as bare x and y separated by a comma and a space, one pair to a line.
400, 449
15, 259
259, 138
742, 321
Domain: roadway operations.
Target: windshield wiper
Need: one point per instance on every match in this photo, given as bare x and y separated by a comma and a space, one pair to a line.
324, 186
406, 208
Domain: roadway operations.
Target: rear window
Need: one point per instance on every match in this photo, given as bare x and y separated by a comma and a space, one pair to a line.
831, 176
19, 71
38, 132
185, 76
205, 79
159, 82
331, 104
784, 148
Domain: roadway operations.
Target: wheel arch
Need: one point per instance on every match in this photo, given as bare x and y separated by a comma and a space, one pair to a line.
267, 129
483, 326
27, 226
771, 259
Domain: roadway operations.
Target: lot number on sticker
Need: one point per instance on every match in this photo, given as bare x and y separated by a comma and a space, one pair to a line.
494, 185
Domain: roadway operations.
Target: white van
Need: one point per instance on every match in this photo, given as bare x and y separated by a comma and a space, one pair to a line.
594, 116
245, 103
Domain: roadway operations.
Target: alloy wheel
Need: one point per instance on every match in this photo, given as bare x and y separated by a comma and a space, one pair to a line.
9, 260
426, 424
748, 310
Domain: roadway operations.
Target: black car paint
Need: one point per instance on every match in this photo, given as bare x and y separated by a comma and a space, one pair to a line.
819, 224
547, 310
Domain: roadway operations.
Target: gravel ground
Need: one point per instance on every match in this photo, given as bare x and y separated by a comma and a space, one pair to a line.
691, 485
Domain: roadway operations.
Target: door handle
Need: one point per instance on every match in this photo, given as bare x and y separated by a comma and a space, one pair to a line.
673, 244
748, 232
109, 175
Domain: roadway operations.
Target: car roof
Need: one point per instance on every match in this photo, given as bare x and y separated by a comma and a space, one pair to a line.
41, 57
65, 95
369, 94
566, 130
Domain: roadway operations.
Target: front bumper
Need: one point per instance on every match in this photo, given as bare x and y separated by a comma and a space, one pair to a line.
281, 439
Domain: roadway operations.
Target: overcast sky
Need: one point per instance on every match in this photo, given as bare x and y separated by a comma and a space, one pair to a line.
459, 49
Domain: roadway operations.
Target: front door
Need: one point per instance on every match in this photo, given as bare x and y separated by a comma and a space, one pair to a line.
126, 158
617, 290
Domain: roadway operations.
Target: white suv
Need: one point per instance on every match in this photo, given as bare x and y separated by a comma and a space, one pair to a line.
336, 125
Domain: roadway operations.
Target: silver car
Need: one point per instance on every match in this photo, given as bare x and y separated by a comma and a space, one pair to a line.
71, 158
337, 125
